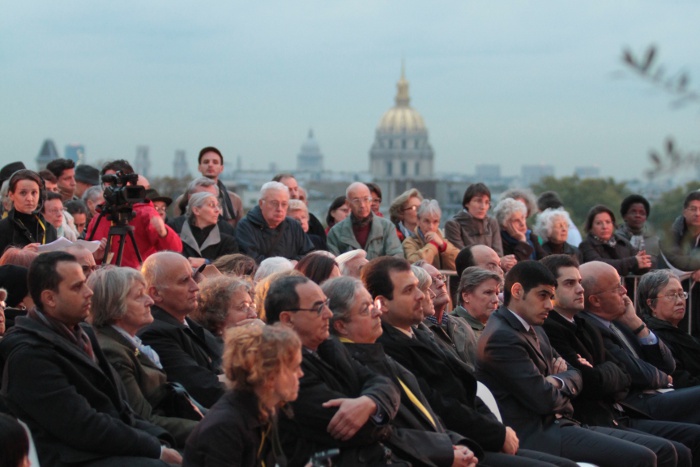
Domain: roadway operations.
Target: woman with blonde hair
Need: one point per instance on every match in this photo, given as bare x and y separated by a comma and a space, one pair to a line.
404, 212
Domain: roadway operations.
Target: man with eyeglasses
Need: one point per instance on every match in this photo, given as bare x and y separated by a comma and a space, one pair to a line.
637, 349
84, 258
266, 230
362, 229
341, 404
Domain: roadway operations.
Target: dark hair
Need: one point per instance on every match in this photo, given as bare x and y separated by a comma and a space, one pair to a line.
316, 266
338, 202
692, 196
282, 176
14, 442
549, 200
47, 176
25, 174
282, 296
475, 189
529, 274
209, 149
117, 165
51, 195
236, 264
375, 275
555, 262
57, 166
43, 275
632, 199
464, 259
75, 206
595, 210
374, 189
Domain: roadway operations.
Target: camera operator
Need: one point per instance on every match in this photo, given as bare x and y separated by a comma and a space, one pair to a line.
150, 232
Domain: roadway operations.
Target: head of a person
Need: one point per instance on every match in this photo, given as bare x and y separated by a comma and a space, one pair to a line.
93, 197
351, 262
224, 302
549, 200
394, 288
4, 193
272, 265
691, 209
376, 194
482, 256
290, 182
14, 443
525, 196
160, 203
236, 264
58, 287
318, 267
203, 209
429, 214
210, 162
265, 360
635, 210
511, 215
262, 287
553, 226
120, 298
424, 283
303, 196
84, 258
529, 291
273, 202
13, 279
661, 295
85, 177
78, 210
569, 295
25, 191
198, 185
18, 256
438, 285
299, 303
299, 212
600, 222
50, 180
338, 211
604, 294
477, 200
53, 209
354, 315
404, 208
171, 283
359, 199
117, 165
64, 171
478, 292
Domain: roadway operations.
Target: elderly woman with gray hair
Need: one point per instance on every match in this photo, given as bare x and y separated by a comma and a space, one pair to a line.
427, 242
662, 305
517, 239
553, 228
478, 297
202, 241
121, 306
403, 212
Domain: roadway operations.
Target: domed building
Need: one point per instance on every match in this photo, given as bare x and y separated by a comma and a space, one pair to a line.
310, 158
401, 149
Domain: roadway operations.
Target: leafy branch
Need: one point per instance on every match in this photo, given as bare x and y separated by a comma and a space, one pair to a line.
670, 159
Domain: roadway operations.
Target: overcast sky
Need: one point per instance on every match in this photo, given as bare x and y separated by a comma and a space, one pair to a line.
496, 82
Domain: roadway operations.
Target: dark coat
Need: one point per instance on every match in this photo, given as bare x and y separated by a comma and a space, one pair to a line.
522, 250
681, 251
13, 233
621, 257
216, 243
74, 407
565, 249
224, 226
188, 354
447, 384
257, 240
465, 230
685, 349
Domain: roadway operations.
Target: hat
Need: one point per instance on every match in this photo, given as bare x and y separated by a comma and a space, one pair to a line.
87, 174
7, 171
153, 195
14, 280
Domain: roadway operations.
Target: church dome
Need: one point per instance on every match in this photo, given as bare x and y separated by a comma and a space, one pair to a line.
402, 118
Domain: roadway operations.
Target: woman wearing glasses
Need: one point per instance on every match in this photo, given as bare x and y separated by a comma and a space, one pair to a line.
662, 304
404, 213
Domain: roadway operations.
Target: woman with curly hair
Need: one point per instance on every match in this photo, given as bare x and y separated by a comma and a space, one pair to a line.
264, 365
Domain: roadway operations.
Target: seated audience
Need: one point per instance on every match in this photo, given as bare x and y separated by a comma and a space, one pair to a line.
635, 210
551, 200
478, 297
318, 267
14, 442
351, 262
236, 264
404, 213
337, 212
553, 229
427, 242
518, 239
264, 365
120, 307
299, 211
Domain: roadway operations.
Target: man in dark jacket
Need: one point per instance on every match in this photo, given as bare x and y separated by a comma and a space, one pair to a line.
58, 381
267, 231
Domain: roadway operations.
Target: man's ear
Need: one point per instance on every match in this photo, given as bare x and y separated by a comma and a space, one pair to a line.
517, 291
48, 299
382, 303
155, 294
339, 327
286, 318
594, 301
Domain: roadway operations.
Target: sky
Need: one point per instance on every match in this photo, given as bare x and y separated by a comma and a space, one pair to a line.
504, 82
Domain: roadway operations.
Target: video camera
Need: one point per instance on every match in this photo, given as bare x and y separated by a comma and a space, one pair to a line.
120, 193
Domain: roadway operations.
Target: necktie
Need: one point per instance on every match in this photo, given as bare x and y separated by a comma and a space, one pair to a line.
623, 340
412, 397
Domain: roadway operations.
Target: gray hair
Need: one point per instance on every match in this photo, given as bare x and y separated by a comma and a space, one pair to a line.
272, 186
650, 285
214, 299
473, 277
424, 279
201, 182
111, 286
546, 219
526, 194
297, 205
272, 265
341, 291
429, 207
197, 200
92, 193
506, 208
347, 257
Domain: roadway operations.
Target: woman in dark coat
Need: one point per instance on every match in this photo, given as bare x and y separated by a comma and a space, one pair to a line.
553, 228
517, 239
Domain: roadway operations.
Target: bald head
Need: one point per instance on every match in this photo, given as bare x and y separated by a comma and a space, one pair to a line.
358, 196
84, 257
602, 290
486, 257
156, 267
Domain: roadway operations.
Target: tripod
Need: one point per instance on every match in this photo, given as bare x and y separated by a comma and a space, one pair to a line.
121, 229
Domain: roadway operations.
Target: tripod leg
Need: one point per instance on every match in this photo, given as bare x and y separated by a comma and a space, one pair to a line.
136, 248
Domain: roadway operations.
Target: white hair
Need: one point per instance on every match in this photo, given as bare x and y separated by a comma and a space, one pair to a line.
272, 186
506, 208
272, 264
546, 219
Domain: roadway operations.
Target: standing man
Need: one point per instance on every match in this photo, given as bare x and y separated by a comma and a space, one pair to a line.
362, 229
211, 165
64, 171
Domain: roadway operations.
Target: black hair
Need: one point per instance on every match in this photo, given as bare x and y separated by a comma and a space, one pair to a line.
374, 188
317, 267
75, 206
555, 262
282, 296
475, 189
14, 442
119, 165
50, 195
529, 274
549, 200
281, 176
692, 196
464, 259
209, 149
595, 210
43, 274
338, 202
376, 275
632, 199
57, 166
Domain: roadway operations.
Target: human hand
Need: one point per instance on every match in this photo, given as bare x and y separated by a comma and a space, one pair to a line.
463, 457
170, 456
515, 231
558, 365
100, 252
434, 237
158, 224
32, 247
511, 444
352, 414
695, 275
583, 361
508, 262
643, 260
629, 318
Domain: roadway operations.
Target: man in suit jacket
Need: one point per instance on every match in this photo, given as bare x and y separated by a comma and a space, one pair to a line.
189, 353
58, 381
534, 385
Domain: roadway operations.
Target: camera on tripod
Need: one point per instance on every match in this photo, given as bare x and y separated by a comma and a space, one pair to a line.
120, 195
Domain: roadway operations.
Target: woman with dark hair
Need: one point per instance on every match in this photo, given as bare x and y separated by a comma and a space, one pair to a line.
264, 365
337, 212
472, 225
318, 266
601, 244
14, 443
24, 225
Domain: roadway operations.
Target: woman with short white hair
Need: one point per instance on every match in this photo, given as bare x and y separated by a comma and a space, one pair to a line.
553, 228
517, 238
427, 242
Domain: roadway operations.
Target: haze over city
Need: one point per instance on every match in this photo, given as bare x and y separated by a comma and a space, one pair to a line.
507, 83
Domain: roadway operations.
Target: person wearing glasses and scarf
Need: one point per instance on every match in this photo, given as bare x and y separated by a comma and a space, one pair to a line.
427, 242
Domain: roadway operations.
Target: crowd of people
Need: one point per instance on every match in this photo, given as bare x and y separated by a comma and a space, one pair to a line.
218, 337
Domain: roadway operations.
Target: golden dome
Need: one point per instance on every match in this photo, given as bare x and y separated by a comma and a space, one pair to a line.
402, 118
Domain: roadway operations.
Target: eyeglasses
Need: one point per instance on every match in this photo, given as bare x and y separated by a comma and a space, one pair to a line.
693, 209
277, 204
673, 296
410, 208
617, 288
358, 201
245, 306
55, 211
440, 277
317, 308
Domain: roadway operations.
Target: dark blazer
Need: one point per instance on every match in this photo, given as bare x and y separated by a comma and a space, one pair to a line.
13, 233
621, 257
73, 405
330, 373
514, 365
685, 349
447, 384
144, 382
188, 354
455, 334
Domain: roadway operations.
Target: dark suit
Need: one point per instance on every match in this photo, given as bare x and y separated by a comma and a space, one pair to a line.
188, 354
74, 405
514, 364
684, 347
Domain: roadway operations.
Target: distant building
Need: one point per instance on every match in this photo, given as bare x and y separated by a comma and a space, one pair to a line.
75, 152
142, 164
47, 153
310, 158
534, 173
587, 172
180, 168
